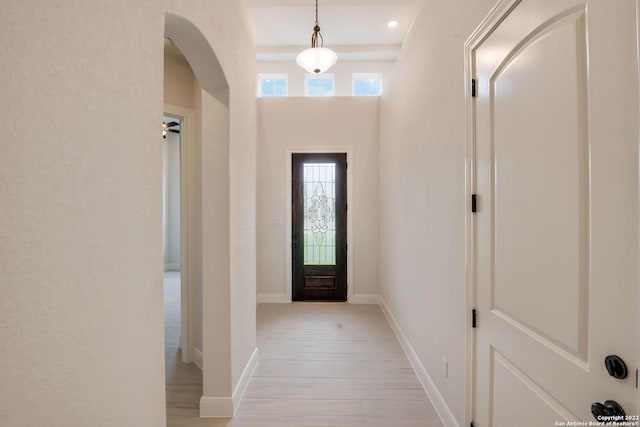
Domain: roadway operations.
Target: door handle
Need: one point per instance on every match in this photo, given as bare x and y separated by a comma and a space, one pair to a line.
616, 367
609, 408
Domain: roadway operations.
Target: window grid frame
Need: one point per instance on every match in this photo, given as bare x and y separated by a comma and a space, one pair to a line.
366, 76
272, 76
317, 77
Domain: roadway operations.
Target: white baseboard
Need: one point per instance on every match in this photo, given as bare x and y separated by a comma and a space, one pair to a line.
283, 299
225, 407
197, 357
272, 298
241, 387
445, 414
172, 267
365, 299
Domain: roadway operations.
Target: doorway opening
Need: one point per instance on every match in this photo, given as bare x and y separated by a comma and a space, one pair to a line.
183, 360
172, 241
195, 81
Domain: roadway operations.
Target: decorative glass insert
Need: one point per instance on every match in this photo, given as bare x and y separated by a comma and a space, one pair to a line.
367, 84
319, 213
319, 85
272, 85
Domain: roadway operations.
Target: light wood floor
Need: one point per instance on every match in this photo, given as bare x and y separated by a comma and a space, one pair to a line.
321, 364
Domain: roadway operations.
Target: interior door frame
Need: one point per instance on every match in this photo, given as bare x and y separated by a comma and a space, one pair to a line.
492, 20
637, 2
187, 293
288, 216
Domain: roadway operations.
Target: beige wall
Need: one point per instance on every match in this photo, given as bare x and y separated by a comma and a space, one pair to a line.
81, 225
178, 82
422, 191
311, 123
80, 221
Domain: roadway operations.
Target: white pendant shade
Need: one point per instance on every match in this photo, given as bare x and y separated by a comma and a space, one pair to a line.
316, 59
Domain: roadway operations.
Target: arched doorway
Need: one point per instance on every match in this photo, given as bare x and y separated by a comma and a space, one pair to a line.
207, 268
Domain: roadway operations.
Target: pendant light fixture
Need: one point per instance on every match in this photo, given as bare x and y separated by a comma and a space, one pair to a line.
316, 59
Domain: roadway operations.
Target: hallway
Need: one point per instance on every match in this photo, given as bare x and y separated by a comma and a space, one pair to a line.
321, 364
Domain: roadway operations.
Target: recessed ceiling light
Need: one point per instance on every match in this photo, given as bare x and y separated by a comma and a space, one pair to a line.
392, 24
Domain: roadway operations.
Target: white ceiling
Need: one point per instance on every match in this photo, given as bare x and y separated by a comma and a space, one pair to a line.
355, 29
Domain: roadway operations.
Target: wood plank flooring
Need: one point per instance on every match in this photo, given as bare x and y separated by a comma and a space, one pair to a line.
321, 365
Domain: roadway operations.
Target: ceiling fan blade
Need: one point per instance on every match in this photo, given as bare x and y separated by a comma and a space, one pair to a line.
173, 131
172, 124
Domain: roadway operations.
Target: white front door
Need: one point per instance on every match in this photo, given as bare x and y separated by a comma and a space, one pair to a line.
556, 232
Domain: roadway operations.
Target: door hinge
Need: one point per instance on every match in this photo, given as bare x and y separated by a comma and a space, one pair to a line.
473, 88
473, 424
474, 203
474, 321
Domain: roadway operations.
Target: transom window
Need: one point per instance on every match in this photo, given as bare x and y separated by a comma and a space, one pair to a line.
319, 85
367, 84
272, 85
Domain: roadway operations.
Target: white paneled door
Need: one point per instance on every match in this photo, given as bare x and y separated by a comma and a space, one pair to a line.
556, 232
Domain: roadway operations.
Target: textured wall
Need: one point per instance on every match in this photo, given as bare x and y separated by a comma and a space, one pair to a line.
304, 123
80, 217
80, 223
422, 150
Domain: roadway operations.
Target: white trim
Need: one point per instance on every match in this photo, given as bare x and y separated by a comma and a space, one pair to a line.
470, 188
216, 407
272, 298
283, 299
287, 241
197, 357
365, 299
226, 407
172, 267
638, 89
187, 293
487, 25
445, 414
241, 387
